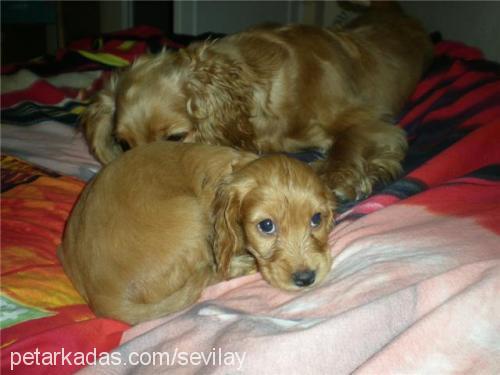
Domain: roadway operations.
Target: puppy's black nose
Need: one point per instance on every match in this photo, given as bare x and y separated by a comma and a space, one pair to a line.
304, 278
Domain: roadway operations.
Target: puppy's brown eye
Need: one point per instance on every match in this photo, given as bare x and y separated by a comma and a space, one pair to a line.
267, 226
176, 137
316, 220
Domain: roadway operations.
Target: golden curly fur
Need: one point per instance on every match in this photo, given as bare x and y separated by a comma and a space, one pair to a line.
277, 89
166, 219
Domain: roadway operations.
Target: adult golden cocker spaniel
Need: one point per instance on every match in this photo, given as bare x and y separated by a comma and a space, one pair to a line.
277, 88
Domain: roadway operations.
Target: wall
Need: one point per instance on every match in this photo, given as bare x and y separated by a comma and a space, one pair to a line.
476, 23
115, 15
196, 17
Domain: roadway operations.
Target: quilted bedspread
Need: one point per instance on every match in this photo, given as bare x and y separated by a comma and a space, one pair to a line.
414, 287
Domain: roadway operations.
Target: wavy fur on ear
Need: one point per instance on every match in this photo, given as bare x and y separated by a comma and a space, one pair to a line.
228, 238
97, 122
219, 96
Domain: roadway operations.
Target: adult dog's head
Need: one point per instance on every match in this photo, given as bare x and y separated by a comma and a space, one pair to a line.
180, 96
279, 211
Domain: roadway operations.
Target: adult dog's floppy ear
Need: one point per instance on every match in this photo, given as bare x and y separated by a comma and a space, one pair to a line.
218, 95
97, 123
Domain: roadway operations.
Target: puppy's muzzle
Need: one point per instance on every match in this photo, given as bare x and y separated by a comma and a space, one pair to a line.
304, 278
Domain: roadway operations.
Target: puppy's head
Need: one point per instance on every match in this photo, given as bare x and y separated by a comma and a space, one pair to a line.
187, 96
276, 209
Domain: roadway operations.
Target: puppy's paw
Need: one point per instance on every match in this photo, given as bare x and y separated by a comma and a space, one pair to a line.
348, 184
242, 265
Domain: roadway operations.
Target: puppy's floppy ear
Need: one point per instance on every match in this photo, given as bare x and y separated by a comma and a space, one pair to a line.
227, 239
218, 94
97, 123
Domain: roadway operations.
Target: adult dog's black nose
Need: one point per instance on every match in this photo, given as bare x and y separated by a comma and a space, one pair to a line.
304, 278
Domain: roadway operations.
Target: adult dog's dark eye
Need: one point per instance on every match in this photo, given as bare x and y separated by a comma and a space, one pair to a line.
176, 137
316, 220
124, 145
267, 226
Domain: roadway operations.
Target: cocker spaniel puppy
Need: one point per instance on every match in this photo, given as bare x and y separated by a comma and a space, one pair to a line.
274, 89
166, 219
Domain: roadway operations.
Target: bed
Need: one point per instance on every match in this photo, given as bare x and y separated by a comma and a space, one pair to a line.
414, 286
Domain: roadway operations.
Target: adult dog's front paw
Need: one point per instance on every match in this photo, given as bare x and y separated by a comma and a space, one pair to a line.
348, 184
